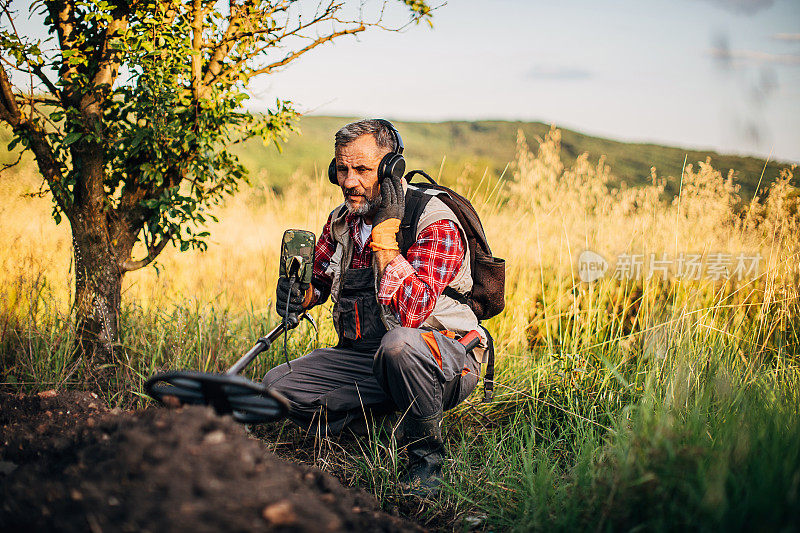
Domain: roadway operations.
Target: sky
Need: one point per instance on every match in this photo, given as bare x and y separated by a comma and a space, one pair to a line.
718, 74
706, 74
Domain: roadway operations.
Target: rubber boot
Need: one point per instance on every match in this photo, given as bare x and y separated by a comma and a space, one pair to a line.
423, 440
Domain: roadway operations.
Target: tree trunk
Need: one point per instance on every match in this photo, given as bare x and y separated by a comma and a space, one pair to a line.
98, 274
98, 291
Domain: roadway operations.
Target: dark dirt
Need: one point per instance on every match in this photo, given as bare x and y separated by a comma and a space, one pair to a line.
67, 463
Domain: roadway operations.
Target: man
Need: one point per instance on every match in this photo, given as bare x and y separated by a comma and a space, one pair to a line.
397, 331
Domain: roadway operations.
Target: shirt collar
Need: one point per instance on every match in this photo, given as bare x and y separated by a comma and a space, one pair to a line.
354, 224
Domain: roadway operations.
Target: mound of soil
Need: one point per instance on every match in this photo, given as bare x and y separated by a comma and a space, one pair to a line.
67, 463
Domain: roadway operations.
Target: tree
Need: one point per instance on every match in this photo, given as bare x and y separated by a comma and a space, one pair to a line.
129, 116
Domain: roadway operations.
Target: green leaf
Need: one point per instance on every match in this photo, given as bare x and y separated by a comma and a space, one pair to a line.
72, 137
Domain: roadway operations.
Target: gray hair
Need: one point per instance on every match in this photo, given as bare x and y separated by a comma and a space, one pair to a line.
382, 133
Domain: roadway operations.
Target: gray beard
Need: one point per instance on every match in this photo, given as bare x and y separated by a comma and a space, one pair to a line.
370, 205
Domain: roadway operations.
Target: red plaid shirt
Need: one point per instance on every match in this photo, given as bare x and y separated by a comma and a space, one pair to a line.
411, 284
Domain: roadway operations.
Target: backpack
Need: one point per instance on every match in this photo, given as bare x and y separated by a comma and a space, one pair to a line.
487, 298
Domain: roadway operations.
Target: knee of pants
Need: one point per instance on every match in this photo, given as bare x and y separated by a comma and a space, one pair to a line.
278, 381
396, 351
273, 376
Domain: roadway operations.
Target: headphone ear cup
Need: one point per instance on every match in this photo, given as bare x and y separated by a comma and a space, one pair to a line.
332, 172
398, 168
393, 165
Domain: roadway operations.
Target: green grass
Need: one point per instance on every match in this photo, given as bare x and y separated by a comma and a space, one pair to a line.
685, 427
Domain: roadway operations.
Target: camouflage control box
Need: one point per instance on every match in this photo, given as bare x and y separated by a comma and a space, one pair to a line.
297, 254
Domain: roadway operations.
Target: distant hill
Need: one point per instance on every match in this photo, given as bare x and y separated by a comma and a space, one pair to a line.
471, 148
462, 152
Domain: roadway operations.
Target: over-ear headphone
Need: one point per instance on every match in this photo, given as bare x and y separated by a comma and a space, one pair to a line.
393, 164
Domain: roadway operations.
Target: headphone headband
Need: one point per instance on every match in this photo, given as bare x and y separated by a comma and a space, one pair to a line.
393, 164
398, 141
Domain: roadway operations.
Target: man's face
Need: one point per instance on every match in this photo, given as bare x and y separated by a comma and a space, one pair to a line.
357, 173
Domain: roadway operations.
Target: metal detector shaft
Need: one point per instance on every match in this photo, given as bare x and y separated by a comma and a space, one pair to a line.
263, 344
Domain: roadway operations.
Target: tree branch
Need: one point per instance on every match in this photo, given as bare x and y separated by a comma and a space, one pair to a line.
197, 44
37, 142
232, 35
221, 50
107, 68
63, 14
9, 110
32, 68
35, 110
16, 34
289, 57
152, 253
26, 100
214, 70
294, 55
37, 69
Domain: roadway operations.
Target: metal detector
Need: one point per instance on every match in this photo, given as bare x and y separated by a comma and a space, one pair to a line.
230, 393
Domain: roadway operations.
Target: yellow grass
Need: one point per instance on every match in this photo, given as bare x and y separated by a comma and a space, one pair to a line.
539, 216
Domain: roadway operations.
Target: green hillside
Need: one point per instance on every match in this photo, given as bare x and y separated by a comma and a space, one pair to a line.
470, 148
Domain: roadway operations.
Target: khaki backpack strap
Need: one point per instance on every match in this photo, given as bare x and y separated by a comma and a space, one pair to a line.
416, 201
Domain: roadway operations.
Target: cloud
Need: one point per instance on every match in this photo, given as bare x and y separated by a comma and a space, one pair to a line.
728, 57
721, 51
549, 72
744, 7
787, 36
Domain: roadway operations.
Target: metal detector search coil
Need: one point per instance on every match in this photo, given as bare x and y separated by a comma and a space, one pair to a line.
229, 393
246, 401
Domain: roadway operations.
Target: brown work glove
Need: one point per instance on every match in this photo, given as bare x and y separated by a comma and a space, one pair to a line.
386, 222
